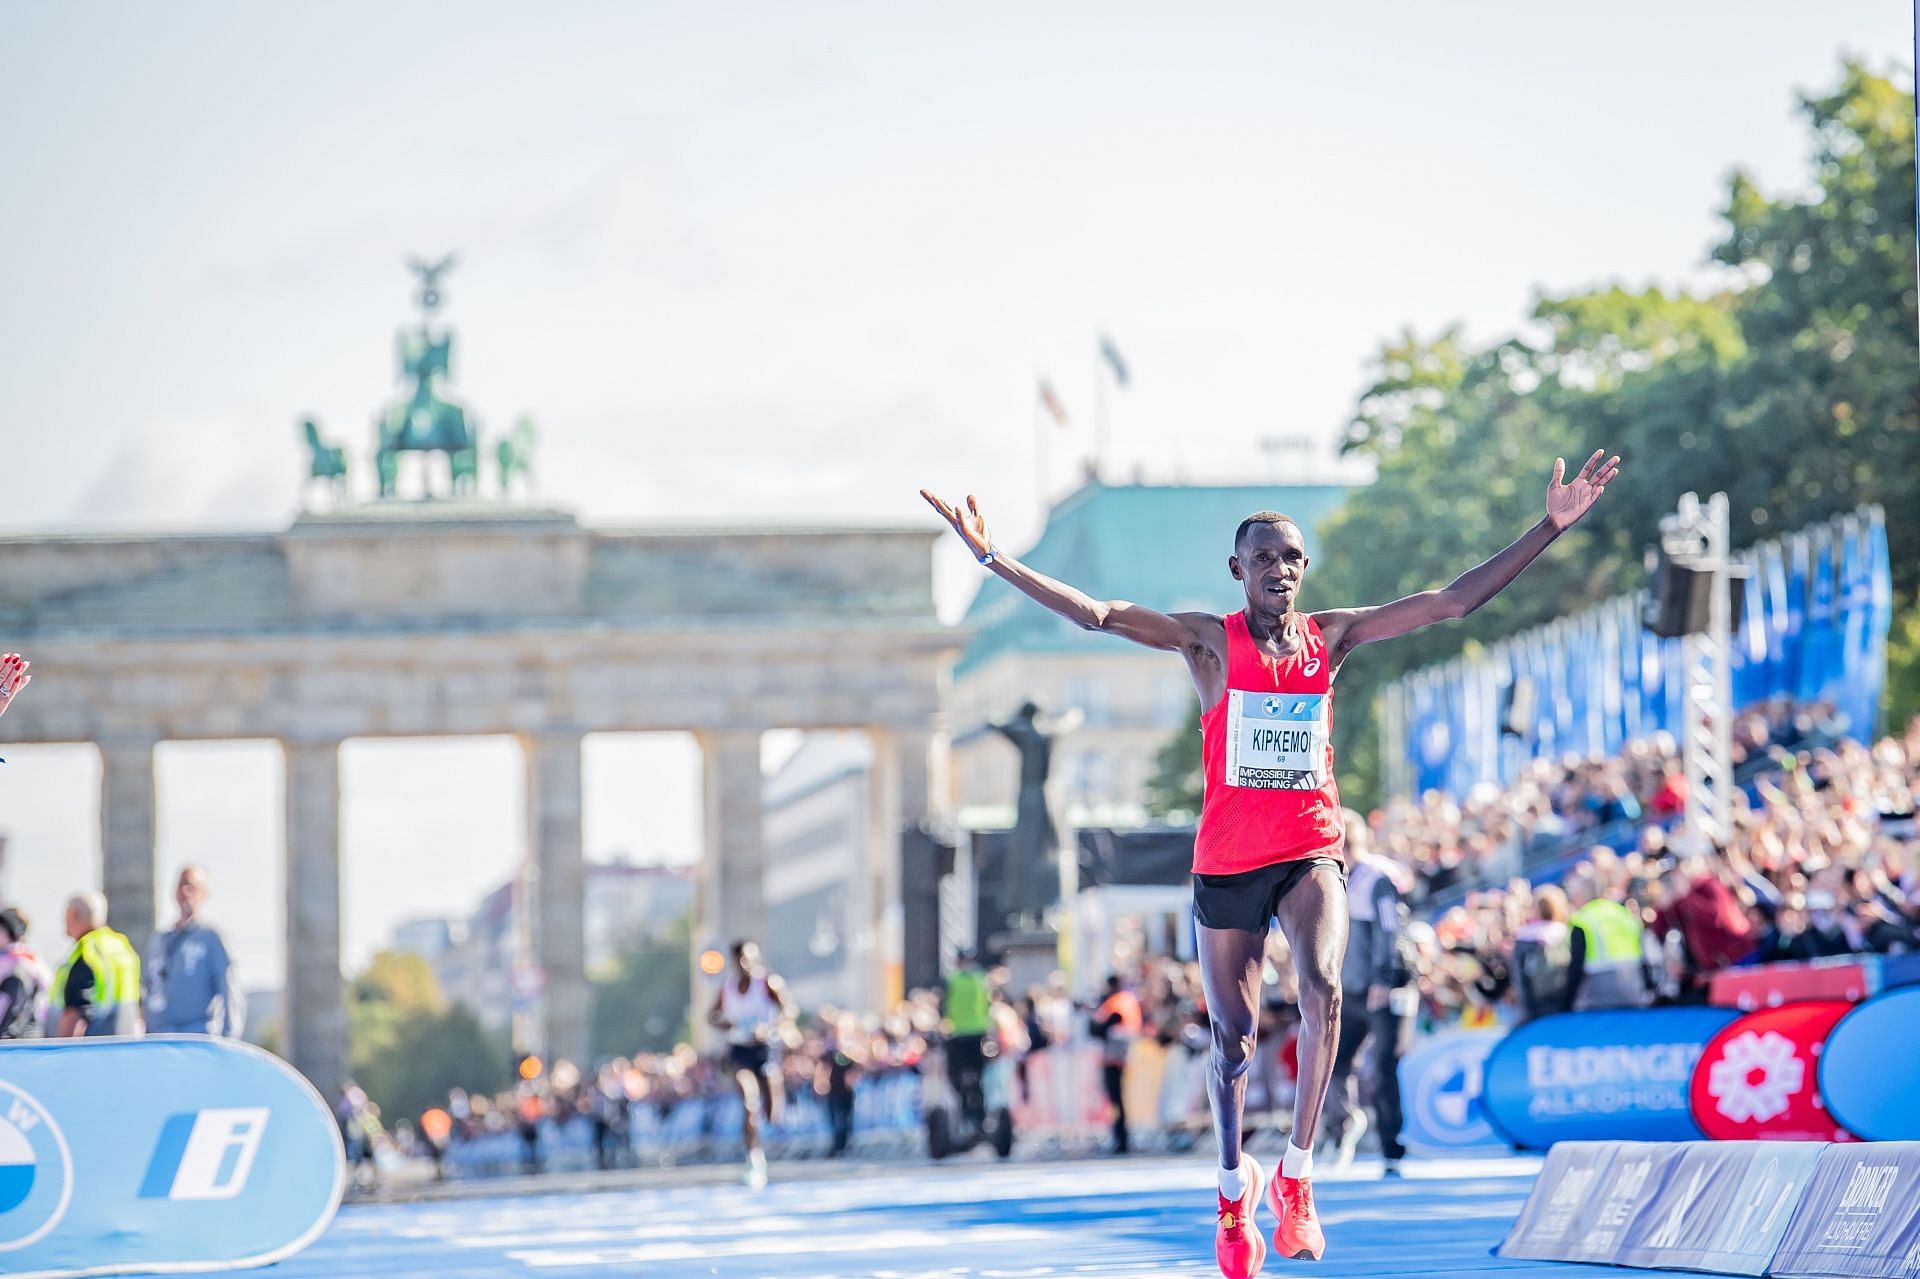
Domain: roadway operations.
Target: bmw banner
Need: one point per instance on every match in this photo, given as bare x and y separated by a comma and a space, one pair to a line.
1860, 1215
168, 1153
1613, 1073
1440, 1086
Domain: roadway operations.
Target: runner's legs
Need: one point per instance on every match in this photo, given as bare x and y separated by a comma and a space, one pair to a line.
1313, 919
1230, 960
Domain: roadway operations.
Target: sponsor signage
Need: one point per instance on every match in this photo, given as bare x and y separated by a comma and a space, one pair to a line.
1848, 977
1859, 1216
168, 1153
1870, 1069
1565, 1201
1759, 1077
1440, 1095
1605, 1074
1724, 1207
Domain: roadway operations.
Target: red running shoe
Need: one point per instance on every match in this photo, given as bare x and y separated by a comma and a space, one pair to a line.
1298, 1234
1237, 1243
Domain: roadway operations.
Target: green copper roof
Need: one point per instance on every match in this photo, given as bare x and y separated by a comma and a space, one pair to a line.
1163, 546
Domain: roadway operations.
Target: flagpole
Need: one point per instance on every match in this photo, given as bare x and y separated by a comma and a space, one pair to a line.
1039, 450
1099, 412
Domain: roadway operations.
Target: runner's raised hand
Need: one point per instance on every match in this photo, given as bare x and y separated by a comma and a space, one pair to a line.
13, 678
968, 523
1566, 503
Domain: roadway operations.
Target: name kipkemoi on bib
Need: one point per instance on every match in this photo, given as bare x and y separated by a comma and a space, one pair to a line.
1276, 741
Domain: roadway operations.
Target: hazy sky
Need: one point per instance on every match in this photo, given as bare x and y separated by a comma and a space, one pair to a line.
780, 261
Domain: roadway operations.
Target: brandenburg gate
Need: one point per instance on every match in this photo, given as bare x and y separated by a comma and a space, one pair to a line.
460, 615
445, 618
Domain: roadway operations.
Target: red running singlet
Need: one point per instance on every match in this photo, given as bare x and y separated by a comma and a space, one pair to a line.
1267, 748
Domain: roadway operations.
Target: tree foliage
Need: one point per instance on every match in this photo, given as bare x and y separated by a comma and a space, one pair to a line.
1795, 389
407, 1046
641, 1005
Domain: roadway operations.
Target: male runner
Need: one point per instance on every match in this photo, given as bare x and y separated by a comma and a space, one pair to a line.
1270, 839
752, 1005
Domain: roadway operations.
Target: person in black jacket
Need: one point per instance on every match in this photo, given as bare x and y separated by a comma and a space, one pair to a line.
1370, 974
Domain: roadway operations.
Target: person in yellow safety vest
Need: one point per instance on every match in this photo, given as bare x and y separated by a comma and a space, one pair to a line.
98, 989
966, 1011
1606, 967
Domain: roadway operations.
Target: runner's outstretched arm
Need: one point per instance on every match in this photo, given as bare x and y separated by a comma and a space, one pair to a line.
1348, 628
1173, 633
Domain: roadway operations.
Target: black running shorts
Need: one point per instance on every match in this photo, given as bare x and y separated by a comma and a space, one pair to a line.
1249, 900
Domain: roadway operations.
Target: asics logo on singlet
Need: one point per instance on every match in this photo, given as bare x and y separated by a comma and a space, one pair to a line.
1312, 667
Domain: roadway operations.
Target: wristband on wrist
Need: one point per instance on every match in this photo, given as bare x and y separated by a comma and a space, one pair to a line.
993, 553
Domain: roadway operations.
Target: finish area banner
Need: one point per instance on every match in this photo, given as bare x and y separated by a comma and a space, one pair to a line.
1591, 1076
1860, 1215
167, 1153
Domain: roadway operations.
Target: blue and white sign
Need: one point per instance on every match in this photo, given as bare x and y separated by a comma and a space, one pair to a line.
1560, 1211
36, 1171
1859, 1217
1607, 1074
1276, 741
1724, 1207
1869, 1071
1440, 1095
169, 1153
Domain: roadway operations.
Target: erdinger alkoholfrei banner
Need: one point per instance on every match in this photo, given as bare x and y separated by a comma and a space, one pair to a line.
1594, 1076
1859, 1216
1715, 1206
1870, 1069
169, 1153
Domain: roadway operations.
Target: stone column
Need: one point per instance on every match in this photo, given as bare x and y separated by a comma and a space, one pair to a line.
316, 1013
559, 893
126, 834
732, 901
733, 891
905, 787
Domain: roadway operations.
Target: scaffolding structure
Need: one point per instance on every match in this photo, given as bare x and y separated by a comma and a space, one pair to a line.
1697, 537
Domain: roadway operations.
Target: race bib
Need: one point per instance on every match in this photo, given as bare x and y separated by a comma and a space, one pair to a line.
1276, 741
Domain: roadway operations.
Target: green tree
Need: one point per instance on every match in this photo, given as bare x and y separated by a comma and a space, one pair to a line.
642, 1004
407, 1046
1174, 790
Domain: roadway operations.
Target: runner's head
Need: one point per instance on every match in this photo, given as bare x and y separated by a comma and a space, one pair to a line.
746, 955
1269, 559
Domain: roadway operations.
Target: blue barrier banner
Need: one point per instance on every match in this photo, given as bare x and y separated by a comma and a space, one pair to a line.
1440, 1086
1561, 1210
1819, 604
169, 1153
1724, 1207
1870, 1071
1607, 1074
1860, 1215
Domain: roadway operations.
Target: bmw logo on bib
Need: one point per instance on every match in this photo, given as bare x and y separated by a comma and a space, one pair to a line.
36, 1171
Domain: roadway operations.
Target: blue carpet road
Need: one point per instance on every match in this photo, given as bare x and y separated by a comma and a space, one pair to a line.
1017, 1221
